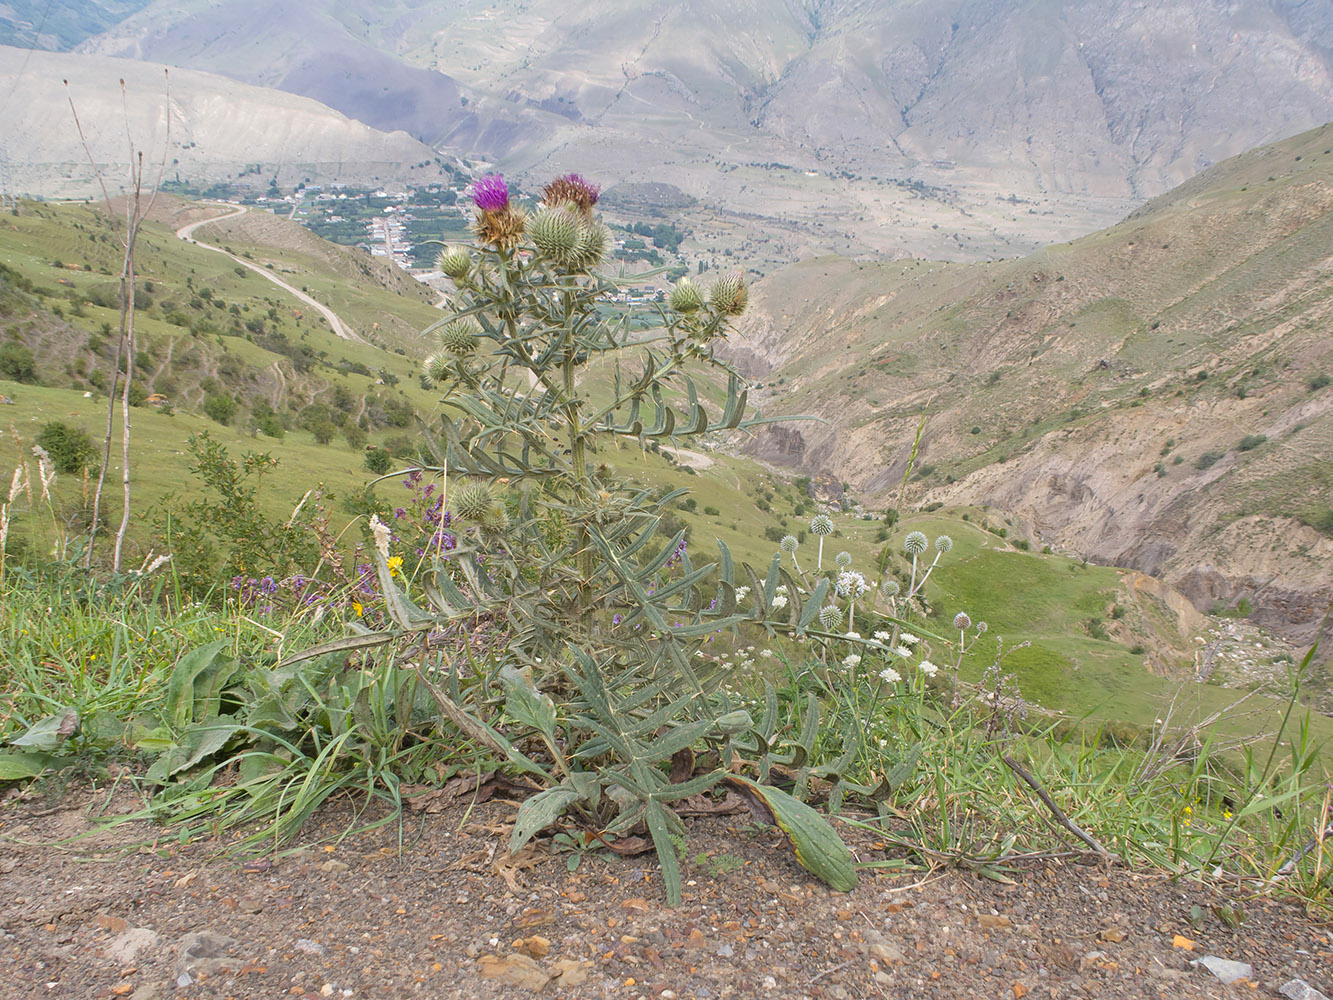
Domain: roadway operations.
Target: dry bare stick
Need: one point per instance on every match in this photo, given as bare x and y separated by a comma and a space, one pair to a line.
135, 212
1026, 776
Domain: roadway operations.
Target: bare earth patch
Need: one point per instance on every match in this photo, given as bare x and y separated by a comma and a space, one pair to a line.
444, 912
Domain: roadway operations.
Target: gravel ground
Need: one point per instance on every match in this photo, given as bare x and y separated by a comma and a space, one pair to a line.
446, 913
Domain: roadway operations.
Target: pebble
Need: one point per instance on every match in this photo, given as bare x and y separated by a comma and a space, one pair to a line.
1299, 989
309, 947
1227, 970
127, 945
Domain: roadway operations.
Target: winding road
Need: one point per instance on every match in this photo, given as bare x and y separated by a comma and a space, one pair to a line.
340, 328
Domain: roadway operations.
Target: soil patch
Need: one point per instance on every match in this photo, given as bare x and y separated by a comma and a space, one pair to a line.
439, 909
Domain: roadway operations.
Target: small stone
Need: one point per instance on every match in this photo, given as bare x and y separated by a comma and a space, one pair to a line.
697, 939
1299, 989
1227, 970
309, 947
247, 905
184, 980
1180, 941
333, 866
116, 925
514, 970
725, 951
326, 990
1113, 934
534, 947
125, 946
636, 905
881, 948
992, 921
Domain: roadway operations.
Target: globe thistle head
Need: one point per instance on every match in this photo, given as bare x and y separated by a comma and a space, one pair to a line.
729, 294
981, 627
686, 296
830, 617
962, 621
821, 524
436, 367
555, 233
850, 584
943, 543
915, 543
455, 262
459, 336
591, 247
890, 588
788, 543
473, 501
843, 559
574, 190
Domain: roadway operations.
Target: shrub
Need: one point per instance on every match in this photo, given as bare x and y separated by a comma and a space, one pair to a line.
712, 512
270, 425
378, 461
1251, 441
17, 363
220, 408
1208, 459
1320, 381
70, 448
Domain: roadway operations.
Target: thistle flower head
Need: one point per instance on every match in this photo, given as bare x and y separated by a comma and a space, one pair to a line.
591, 247
843, 559
943, 543
436, 367
503, 228
490, 193
459, 336
890, 588
455, 262
851, 585
572, 189
473, 501
788, 543
729, 294
915, 543
821, 524
555, 232
830, 617
686, 296
962, 621
981, 627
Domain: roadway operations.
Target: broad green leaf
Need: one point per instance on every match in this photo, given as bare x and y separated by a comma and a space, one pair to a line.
659, 825
526, 704
49, 733
17, 766
818, 847
539, 812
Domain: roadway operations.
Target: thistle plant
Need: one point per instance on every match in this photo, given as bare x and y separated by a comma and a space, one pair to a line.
599, 615
821, 525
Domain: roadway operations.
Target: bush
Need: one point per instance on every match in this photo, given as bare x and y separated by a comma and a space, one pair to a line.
1208, 459
70, 448
270, 425
1251, 441
220, 408
378, 461
1320, 381
712, 512
17, 363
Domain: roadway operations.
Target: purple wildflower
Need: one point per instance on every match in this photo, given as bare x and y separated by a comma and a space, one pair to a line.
399, 512
574, 189
615, 619
490, 193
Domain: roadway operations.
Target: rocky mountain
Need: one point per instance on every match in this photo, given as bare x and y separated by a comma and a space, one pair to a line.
217, 129
1157, 395
955, 129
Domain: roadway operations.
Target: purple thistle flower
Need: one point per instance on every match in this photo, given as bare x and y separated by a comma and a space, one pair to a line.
575, 189
490, 193
615, 619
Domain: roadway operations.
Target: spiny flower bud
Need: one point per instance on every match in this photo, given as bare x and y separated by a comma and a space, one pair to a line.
473, 501
591, 247
436, 367
943, 543
455, 262
686, 296
843, 559
495, 518
821, 524
915, 543
459, 336
830, 617
890, 588
555, 233
962, 621
788, 543
729, 294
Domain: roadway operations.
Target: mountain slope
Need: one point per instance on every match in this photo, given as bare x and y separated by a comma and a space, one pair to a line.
956, 129
219, 129
1156, 395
